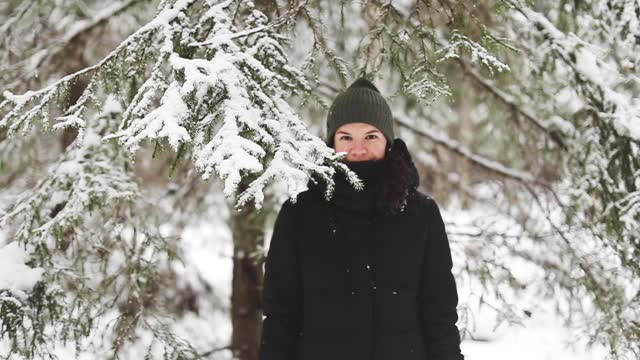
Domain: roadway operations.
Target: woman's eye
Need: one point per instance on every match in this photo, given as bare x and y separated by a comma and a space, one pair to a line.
372, 136
346, 138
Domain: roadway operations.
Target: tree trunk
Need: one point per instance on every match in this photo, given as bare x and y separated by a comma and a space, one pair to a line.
247, 227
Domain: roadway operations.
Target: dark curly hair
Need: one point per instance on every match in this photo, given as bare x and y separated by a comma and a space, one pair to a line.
400, 180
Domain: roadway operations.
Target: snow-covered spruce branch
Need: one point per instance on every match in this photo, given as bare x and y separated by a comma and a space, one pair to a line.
18, 103
401, 42
459, 42
420, 83
620, 111
383, 28
16, 278
237, 71
510, 101
602, 156
82, 225
22, 112
221, 92
604, 182
613, 287
284, 19
320, 44
90, 178
487, 164
425, 83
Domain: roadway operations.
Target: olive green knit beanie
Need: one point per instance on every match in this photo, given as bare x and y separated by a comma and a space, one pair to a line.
361, 102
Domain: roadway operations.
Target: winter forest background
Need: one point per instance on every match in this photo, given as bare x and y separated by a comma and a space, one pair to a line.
146, 147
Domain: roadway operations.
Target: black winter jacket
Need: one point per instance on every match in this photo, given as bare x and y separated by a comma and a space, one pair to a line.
350, 279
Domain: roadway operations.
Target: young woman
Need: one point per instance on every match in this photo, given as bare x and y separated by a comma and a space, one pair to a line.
366, 274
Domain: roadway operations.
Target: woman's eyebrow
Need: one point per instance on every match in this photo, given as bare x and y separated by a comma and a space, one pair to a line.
368, 132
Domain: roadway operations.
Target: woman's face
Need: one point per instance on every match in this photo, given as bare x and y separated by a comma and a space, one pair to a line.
360, 141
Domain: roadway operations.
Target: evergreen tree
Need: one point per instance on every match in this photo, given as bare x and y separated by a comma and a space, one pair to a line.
226, 84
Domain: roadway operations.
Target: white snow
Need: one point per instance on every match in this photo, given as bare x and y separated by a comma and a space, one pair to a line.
164, 121
623, 109
15, 276
479, 54
540, 338
490, 329
569, 100
561, 124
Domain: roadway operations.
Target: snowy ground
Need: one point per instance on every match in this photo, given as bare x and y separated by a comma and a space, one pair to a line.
542, 337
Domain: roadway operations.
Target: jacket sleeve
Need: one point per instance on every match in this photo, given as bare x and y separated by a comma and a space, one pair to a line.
281, 292
438, 294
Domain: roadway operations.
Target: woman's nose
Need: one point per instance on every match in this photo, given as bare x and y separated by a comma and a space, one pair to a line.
358, 150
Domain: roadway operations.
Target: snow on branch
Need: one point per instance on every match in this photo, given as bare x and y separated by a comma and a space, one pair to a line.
216, 90
460, 42
67, 221
21, 287
593, 58
511, 102
422, 86
619, 109
34, 105
84, 178
15, 276
454, 146
426, 83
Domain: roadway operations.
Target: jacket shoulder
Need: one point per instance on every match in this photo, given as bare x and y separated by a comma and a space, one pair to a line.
420, 196
422, 200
